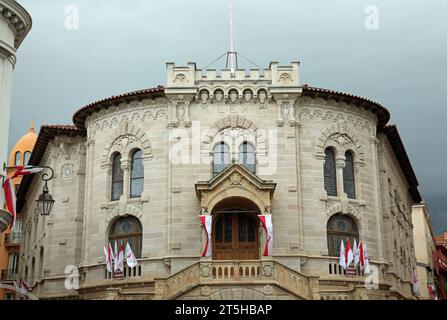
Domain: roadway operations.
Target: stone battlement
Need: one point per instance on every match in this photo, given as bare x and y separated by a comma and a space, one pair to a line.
189, 76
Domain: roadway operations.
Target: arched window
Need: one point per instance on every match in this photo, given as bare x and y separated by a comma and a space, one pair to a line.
18, 159
137, 174
27, 157
221, 157
127, 230
117, 177
340, 227
247, 156
348, 176
330, 174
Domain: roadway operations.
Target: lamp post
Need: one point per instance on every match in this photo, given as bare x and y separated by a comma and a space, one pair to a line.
45, 201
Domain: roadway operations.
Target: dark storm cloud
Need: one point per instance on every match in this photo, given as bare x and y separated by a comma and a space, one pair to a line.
123, 45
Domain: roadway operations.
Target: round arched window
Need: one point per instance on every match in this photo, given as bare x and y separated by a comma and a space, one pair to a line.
127, 230
340, 227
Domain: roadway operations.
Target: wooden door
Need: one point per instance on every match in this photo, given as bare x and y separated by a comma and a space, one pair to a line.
235, 237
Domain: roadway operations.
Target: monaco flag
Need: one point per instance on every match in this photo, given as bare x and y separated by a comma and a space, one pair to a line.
349, 256
108, 260
130, 257
266, 221
119, 263
24, 171
356, 254
342, 259
207, 222
10, 198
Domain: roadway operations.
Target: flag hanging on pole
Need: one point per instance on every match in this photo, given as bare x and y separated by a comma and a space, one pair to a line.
366, 259
130, 257
356, 254
207, 225
342, 259
115, 258
361, 256
120, 259
108, 261
24, 171
266, 221
10, 199
349, 255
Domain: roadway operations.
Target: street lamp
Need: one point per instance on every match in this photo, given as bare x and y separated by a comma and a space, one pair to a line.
45, 201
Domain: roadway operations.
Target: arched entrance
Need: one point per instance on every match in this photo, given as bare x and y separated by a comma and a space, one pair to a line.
235, 230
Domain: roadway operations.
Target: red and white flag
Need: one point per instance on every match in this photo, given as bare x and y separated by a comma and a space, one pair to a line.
207, 223
356, 254
119, 262
26, 170
342, 258
349, 255
10, 198
130, 257
361, 256
24, 285
266, 221
115, 257
108, 260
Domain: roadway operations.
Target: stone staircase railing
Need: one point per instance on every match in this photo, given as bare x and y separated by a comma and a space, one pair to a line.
225, 272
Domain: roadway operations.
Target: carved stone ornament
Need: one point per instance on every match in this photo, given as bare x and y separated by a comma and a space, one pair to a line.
341, 139
218, 95
285, 110
285, 78
204, 95
235, 179
262, 95
233, 96
180, 112
180, 78
248, 95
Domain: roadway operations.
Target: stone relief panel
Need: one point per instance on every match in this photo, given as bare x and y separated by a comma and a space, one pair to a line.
133, 112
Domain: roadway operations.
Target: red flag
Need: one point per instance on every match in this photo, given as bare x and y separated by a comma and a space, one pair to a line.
362, 257
10, 198
349, 255
207, 225
266, 221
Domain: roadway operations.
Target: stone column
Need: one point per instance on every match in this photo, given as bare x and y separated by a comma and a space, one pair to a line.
377, 195
340, 163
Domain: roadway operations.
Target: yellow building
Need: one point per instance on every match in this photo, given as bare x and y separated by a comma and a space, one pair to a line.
10, 239
424, 247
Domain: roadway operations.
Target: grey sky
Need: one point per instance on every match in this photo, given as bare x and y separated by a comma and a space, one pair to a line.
123, 46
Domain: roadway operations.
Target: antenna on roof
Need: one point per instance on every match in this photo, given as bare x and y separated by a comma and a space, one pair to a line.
232, 54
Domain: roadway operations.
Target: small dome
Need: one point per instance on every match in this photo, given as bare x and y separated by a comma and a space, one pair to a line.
23, 148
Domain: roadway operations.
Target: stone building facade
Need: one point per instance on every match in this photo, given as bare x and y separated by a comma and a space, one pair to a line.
144, 165
15, 23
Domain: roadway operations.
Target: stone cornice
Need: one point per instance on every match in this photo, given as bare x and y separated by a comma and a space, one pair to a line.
17, 17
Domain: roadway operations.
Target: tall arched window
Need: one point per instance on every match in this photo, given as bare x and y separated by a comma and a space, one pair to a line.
117, 177
247, 156
348, 176
340, 227
26, 158
330, 173
127, 230
18, 159
221, 157
137, 174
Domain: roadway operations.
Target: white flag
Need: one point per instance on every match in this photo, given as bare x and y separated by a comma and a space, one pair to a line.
130, 257
365, 255
2, 198
342, 261
115, 258
349, 254
108, 262
356, 254
119, 264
